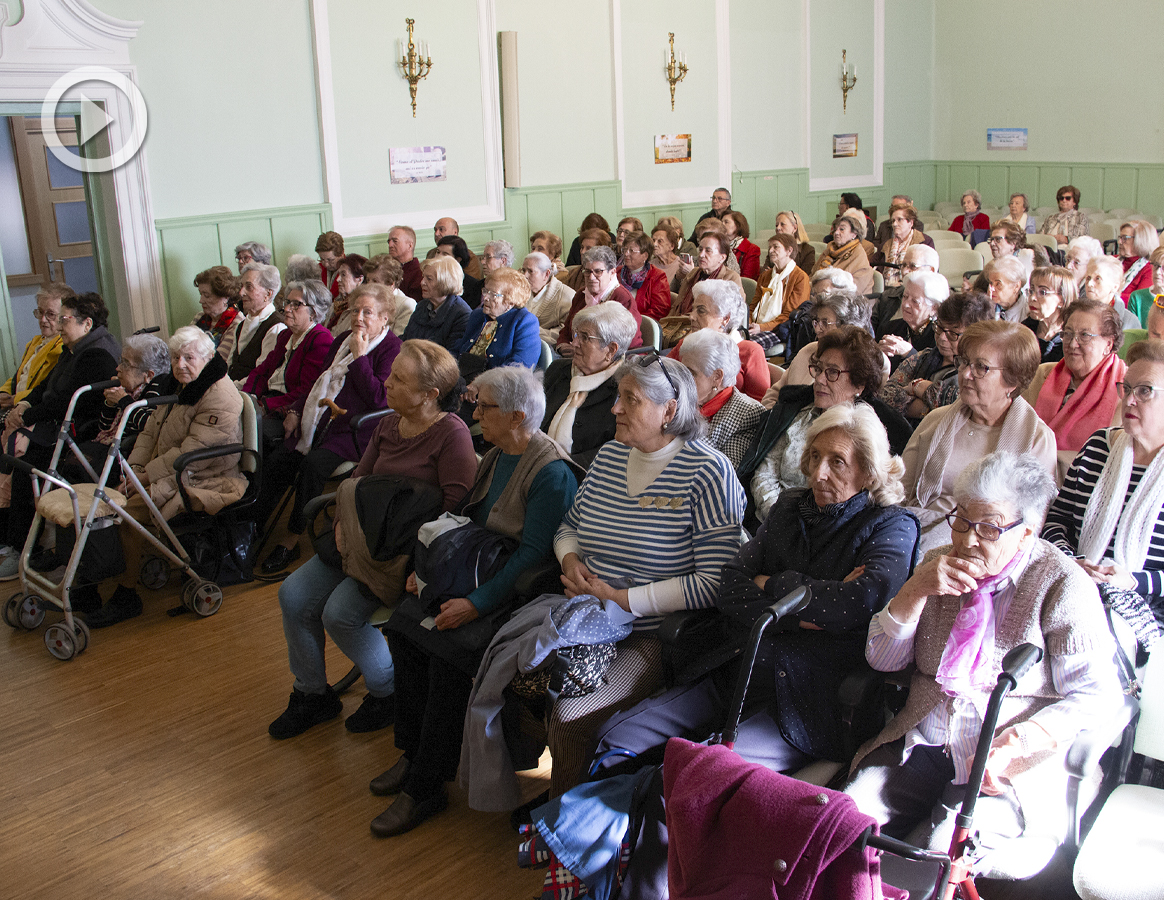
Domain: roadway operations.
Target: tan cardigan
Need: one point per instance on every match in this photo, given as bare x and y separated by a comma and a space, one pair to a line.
796, 291
851, 258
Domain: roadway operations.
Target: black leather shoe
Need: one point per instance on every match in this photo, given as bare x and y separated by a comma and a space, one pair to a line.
304, 711
405, 814
374, 713
280, 558
124, 604
387, 783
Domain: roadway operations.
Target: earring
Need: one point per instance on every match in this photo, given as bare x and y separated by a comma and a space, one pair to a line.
665, 424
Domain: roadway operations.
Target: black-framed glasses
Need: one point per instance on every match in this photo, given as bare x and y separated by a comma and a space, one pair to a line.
1142, 392
988, 531
980, 369
1126, 237
831, 373
950, 333
294, 304
595, 273
648, 359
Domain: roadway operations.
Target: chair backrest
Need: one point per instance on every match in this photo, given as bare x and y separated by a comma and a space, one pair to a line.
1043, 211
749, 289
983, 247
820, 247
1047, 240
760, 238
1103, 231
1150, 729
546, 358
652, 333
946, 237
1122, 212
1155, 221
252, 433
878, 282
953, 261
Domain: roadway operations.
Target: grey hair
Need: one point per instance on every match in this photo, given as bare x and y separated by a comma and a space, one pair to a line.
1018, 481
612, 323
725, 190
260, 253
503, 249
707, 350
151, 351
929, 256
726, 297
191, 334
1114, 267
268, 275
935, 287
849, 307
1026, 201
603, 255
839, 278
1086, 242
301, 268
315, 295
541, 262
906, 197
688, 422
516, 389
860, 425
1009, 267
974, 195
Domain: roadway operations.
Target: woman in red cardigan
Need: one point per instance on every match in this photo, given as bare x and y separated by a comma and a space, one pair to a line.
719, 306
647, 283
1137, 240
972, 218
747, 253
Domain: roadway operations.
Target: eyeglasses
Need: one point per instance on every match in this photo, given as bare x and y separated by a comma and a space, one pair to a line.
996, 239
595, 273
45, 316
124, 363
1045, 292
822, 323
647, 359
950, 333
1142, 392
831, 373
482, 405
72, 318
583, 336
985, 530
980, 369
1084, 337
492, 295
294, 304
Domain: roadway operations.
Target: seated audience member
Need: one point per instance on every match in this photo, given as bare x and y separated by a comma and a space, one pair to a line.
453, 245
1140, 301
253, 334
914, 331
1079, 253
851, 203
1156, 322
887, 309
383, 269
801, 330
719, 306
573, 277
401, 247
43, 350
252, 251
592, 221
1007, 240
789, 223
318, 439
1019, 207
441, 315
929, 379
1102, 284
1052, 290
300, 267
747, 254
625, 227
969, 603
208, 413
721, 205
581, 390
1006, 281
646, 283
1076, 396
502, 332
972, 218
551, 245
1069, 222
733, 418
550, 300
1137, 240
843, 537
684, 245
885, 229
349, 274
419, 439
846, 253
497, 255
598, 265
523, 487
714, 250
217, 292
666, 242
996, 362
447, 227
890, 255
845, 367
780, 290
1114, 486
330, 249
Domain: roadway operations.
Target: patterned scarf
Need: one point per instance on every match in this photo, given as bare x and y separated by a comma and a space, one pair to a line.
632, 281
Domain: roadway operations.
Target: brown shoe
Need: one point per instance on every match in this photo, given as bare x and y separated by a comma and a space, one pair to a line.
388, 783
405, 814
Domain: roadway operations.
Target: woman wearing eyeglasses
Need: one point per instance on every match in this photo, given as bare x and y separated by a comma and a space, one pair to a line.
1077, 395
502, 332
1109, 514
1052, 290
914, 331
997, 361
994, 586
1069, 222
1137, 240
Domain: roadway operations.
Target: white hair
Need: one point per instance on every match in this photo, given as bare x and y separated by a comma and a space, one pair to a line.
860, 424
540, 261
935, 287
924, 255
706, 350
839, 278
1016, 481
1089, 245
726, 297
191, 334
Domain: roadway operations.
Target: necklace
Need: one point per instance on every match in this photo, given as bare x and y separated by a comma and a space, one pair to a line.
410, 432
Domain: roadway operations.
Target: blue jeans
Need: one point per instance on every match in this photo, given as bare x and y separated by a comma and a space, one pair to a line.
316, 597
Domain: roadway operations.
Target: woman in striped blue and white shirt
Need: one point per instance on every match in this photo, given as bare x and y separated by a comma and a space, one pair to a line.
650, 530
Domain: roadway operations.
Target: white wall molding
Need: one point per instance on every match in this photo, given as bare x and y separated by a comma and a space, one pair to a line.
492, 210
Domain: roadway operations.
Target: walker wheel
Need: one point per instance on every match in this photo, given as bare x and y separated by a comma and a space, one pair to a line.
81, 630
12, 609
154, 574
202, 597
30, 614
60, 643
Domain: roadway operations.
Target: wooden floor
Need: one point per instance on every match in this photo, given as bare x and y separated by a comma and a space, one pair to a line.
143, 769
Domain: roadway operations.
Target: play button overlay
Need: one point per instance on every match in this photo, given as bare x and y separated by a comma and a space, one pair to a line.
123, 117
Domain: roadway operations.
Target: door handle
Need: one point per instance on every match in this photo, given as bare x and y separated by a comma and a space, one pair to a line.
52, 260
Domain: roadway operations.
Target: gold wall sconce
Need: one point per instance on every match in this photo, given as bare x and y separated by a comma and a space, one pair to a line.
848, 80
674, 66
414, 62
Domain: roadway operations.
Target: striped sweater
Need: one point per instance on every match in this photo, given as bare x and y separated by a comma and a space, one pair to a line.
1066, 515
671, 541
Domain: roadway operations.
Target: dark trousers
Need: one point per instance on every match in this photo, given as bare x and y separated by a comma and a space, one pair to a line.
283, 468
431, 700
23, 508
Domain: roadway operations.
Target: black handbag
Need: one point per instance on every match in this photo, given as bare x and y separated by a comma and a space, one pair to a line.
222, 553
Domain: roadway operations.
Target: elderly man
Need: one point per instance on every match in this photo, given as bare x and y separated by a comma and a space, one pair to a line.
918, 258
251, 251
446, 227
598, 265
401, 244
551, 298
885, 229
253, 334
721, 204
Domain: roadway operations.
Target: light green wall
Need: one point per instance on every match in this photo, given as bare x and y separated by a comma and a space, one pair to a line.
909, 90
835, 25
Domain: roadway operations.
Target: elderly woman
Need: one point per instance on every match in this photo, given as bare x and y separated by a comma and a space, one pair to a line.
996, 586
666, 241
524, 486
1006, 280
441, 315
318, 439
1007, 240
1079, 253
890, 256
383, 269
349, 274
1052, 290
996, 362
502, 332
1019, 207
845, 252
1076, 396
254, 333
719, 306
887, 309
329, 247
1114, 488
789, 223
551, 245
780, 290
924, 292
843, 537
601, 285
1139, 302
592, 221
714, 249
972, 218
581, 390
419, 439
1102, 284
1069, 222
217, 290
625, 227
1137, 240
747, 254
550, 299
40, 353
733, 418
929, 379
249, 252
648, 284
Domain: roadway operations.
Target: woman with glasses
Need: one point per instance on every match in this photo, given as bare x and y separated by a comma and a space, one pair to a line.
1069, 222
1052, 290
993, 586
1006, 279
929, 378
502, 332
1077, 395
996, 362
1007, 239
714, 250
719, 306
733, 418
914, 331
600, 285
1140, 302
890, 256
1137, 240
1109, 514
647, 283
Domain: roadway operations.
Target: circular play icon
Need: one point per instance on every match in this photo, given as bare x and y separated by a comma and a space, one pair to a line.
95, 119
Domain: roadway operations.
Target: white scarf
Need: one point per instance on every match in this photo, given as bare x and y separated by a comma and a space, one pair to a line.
328, 384
562, 425
1107, 514
1132, 272
773, 300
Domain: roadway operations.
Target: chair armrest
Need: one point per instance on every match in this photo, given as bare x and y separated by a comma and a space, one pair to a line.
1090, 745
676, 624
695, 643
311, 512
207, 453
357, 422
